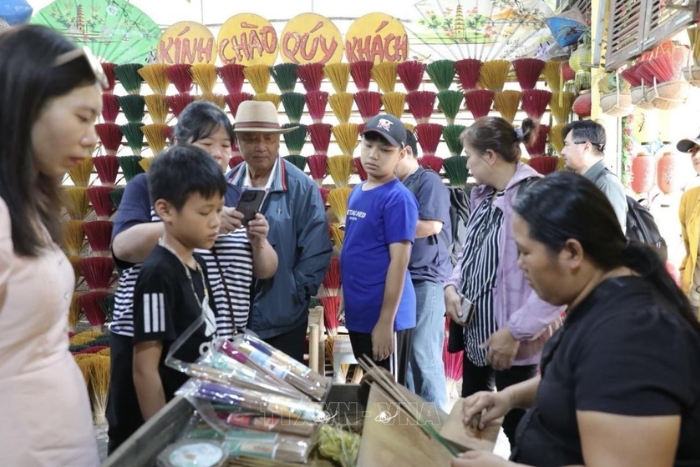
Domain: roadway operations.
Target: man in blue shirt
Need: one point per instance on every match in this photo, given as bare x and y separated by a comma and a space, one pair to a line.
429, 266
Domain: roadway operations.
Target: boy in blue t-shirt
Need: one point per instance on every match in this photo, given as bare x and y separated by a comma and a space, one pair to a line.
378, 296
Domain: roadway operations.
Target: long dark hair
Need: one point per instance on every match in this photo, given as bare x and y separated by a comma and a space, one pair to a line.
498, 135
199, 120
28, 80
564, 205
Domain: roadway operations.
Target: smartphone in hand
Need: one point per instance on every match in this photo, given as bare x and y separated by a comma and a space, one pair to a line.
250, 203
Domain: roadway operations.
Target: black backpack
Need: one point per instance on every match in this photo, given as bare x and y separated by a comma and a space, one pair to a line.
641, 225
460, 208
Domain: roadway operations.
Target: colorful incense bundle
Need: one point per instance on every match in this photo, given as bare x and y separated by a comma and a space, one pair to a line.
134, 136
295, 140
75, 264
468, 71
107, 169
293, 103
232, 76
108, 69
217, 99
338, 74
659, 69
451, 133
297, 160
324, 194
369, 103
346, 135
316, 102
100, 200
204, 75
456, 170
420, 104
340, 168
433, 163
442, 73
479, 102
493, 74
338, 199
341, 105
180, 76
385, 74
77, 203
553, 75
129, 77
99, 236
450, 102
99, 387
507, 103
337, 234
561, 104
359, 168
116, 196
170, 131
311, 75
235, 160
361, 72
155, 136
411, 74
110, 136
394, 103
258, 76
331, 281
97, 271
268, 97
544, 164
178, 102
133, 106
535, 102
330, 305
454, 366
320, 134
284, 76
428, 135
555, 137
80, 174
74, 312
155, 76
234, 100
130, 166
157, 105
73, 236
318, 164
90, 302
110, 108
528, 71
539, 146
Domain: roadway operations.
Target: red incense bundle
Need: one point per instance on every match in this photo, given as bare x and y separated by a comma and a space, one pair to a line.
316, 102
528, 71
91, 304
178, 102
318, 165
320, 134
535, 102
108, 69
232, 76
361, 73
538, 147
330, 313
97, 271
107, 168
479, 102
420, 104
369, 103
235, 160
468, 72
431, 162
544, 164
428, 135
359, 168
99, 235
110, 107
311, 75
179, 74
101, 201
111, 137
235, 99
331, 281
411, 74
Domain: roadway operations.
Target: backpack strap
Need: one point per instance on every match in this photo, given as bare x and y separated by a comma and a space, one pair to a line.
413, 187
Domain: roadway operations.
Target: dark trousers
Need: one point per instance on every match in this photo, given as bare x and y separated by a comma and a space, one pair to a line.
482, 378
123, 411
291, 342
397, 363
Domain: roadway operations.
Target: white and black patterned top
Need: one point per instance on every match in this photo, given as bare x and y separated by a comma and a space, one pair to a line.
479, 267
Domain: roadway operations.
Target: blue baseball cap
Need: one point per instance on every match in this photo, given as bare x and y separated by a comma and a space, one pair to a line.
389, 127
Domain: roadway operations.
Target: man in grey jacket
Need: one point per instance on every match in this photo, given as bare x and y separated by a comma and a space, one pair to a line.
584, 151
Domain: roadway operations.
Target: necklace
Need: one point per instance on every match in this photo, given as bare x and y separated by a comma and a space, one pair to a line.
162, 243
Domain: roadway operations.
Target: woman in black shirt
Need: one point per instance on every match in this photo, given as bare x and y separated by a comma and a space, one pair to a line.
619, 382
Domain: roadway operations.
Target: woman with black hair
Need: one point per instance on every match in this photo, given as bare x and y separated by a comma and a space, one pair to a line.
49, 101
619, 382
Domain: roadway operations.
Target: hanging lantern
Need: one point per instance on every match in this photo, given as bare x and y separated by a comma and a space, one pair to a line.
580, 56
582, 105
645, 126
669, 172
643, 173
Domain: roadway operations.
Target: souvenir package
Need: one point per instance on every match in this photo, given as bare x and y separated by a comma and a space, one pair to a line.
275, 446
194, 453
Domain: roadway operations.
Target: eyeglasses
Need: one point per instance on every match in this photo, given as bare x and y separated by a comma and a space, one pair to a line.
94, 63
601, 147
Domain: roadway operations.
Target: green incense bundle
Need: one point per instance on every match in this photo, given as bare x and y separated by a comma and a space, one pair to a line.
295, 139
298, 160
130, 166
285, 76
451, 134
134, 136
129, 77
116, 195
449, 103
133, 106
293, 103
456, 170
442, 73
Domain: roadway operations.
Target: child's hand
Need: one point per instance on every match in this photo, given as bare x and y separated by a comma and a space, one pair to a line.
382, 340
258, 229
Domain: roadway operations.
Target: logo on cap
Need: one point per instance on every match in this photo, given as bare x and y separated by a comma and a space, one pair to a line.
384, 124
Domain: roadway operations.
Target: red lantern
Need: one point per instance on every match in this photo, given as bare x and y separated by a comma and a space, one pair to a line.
642, 173
669, 172
582, 105
568, 73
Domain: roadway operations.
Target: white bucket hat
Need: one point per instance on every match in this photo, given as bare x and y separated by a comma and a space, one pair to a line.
259, 116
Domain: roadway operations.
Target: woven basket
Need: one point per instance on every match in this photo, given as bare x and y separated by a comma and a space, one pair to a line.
692, 74
639, 99
669, 95
617, 104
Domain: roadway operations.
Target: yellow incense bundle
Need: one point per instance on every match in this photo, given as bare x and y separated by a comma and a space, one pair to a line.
338, 199
341, 105
338, 74
493, 74
346, 135
258, 76
340, 168
394, 103
204, 75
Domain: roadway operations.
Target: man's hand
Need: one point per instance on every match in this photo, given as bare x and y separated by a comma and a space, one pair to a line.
382, 340
230, 220
453, 304
257, 230
502, 348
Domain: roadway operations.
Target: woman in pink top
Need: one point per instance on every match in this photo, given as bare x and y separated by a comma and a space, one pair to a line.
49, 100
